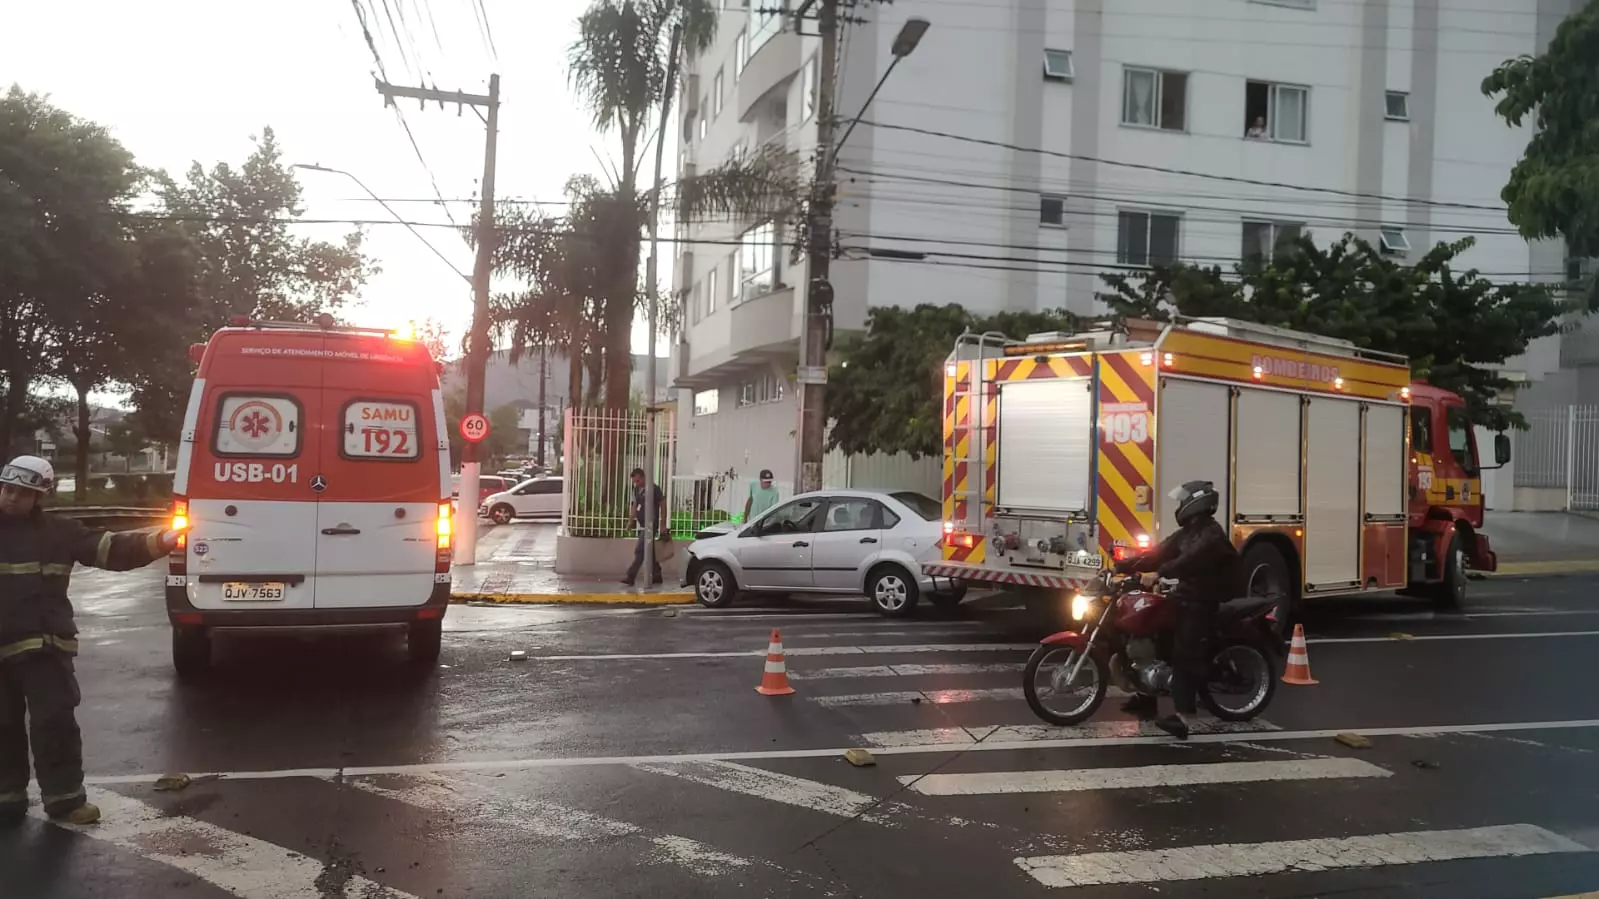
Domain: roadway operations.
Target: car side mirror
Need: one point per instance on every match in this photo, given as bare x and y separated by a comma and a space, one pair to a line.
1501, 449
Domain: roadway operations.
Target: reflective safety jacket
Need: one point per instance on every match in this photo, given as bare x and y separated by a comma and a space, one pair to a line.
37, 553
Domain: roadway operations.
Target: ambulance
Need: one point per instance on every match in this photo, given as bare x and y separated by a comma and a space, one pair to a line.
1338, 473
314, 479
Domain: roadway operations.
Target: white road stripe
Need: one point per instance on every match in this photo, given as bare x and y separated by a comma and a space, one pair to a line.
1424, 637
1142, 778
1059, 741
553, 821
241, 865
800, 793
936, 697
1044, 734
797, 634
887, 649
908, 670
1254, 859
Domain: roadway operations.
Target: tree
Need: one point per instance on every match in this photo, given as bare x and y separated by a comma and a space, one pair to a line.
885, 393
430, 332
505, 434
126, 440
1554, 191
1454, 327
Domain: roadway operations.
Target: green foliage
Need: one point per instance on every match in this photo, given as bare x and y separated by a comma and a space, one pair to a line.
505, 438
1453, 326
885, 392
1554, 190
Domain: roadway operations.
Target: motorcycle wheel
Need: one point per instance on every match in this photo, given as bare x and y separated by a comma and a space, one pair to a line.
1262, 685
1074, 716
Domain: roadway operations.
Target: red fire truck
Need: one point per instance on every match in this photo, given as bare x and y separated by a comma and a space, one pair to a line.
1339, 475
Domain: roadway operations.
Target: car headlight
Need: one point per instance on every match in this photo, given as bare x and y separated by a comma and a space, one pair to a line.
1080, 606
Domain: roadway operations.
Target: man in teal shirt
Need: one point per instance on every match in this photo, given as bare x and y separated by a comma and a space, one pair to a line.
763, 496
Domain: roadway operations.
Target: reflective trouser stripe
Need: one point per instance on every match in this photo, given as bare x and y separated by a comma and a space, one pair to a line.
55, 568
20, 796
19, 568
32, 644
102, 553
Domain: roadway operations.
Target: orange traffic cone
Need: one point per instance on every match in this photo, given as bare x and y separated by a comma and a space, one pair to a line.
1298, 670
775, 681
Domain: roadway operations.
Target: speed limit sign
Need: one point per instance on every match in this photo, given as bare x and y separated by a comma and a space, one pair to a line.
474, 427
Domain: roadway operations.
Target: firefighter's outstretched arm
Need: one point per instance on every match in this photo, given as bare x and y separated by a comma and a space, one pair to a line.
115, 551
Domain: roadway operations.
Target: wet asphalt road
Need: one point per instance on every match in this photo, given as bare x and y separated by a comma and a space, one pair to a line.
630, 756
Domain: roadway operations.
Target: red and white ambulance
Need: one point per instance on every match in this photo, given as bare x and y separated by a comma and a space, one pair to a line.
314, 477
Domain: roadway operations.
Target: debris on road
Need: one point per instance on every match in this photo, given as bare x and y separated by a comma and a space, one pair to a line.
518, 655
860, 758
1401, 636
172, 783
669, 613
1425, 765
1353, 740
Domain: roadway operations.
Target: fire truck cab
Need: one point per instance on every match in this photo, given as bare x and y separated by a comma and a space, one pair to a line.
1338, 474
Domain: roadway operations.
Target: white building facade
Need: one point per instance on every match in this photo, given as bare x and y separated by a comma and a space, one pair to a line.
1028, 146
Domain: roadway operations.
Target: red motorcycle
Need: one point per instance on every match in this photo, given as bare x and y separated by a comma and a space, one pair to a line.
1126, 635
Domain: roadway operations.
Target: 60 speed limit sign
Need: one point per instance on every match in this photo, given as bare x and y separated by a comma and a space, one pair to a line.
474, 427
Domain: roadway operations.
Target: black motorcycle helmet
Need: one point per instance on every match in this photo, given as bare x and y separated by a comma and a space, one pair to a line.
1195, 500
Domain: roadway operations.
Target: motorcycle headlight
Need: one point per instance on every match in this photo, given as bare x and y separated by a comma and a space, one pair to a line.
1080, 606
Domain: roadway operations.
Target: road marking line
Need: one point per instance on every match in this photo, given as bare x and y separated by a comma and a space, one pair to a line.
1254, 859
1142, 778
1421, 637
887, 649
988, 745
800, 793
559, 822
794, 633
908, 670
241, 865
1091, 732
936, 697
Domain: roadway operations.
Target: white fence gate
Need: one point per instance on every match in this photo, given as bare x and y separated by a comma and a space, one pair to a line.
1560, 450
602, 447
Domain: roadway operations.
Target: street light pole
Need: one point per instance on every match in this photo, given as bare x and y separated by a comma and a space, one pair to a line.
812, 375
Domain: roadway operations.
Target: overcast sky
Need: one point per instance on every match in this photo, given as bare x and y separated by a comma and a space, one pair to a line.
184, 80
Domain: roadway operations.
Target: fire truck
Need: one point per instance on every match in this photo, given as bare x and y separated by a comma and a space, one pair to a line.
1339, 475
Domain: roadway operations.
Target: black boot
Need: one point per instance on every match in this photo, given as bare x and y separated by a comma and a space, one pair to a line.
1140, 704
1173, 725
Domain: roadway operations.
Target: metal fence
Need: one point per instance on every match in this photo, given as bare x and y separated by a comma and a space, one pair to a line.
1560, 450
601, 448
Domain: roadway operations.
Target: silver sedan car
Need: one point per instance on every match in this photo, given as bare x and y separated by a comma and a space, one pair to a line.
838, 542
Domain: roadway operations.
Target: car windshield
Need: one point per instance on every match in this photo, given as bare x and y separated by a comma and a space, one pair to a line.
922, 505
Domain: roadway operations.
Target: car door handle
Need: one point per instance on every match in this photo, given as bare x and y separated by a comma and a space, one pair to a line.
801, 543
868, 539
339, 532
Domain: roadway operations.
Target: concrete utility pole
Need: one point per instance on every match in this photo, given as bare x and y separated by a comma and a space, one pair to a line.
477, 351
652, 411
544, 377
812, 374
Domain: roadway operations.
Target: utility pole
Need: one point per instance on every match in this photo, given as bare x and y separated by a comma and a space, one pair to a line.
477, 351
812, 375
544, 376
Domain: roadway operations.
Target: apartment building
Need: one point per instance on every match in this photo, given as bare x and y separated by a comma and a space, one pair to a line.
1029, 146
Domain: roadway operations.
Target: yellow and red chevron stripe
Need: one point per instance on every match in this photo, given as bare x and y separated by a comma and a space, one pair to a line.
1126, 464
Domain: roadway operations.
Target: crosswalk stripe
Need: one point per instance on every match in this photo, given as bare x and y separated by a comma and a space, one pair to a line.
1040, 733
241, 865
1254, 859
886, 649
908, 670
936, 697
1141, 778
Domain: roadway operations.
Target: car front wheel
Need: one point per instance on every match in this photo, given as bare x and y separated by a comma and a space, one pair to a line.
713, 586
502, 514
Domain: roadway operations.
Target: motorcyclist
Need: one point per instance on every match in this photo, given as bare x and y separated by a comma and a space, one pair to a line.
1207, 567
38, 639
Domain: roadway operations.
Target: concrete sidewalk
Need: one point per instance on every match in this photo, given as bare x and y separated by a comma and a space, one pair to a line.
1543, 542
516, 565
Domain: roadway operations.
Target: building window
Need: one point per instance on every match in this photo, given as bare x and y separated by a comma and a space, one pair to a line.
808, 91
705, 402
1397, 106
703, 119
1393, 240
1058, 65
1052, 210
710, 291
1155, 99
738, 55
757, 262
768, 389
716, 94
1146, 238
1275, 111
1264, 240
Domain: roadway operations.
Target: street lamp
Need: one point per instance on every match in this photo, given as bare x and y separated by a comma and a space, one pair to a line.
397, 217
905, 43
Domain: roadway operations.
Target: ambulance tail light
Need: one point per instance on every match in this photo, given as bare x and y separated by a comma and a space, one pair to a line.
444, 528
180, 523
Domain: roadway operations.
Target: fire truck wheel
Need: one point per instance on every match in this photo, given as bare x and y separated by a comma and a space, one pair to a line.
1450, 593
892, 590
1266, 573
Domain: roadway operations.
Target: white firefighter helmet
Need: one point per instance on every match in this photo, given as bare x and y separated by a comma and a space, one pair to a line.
29, 473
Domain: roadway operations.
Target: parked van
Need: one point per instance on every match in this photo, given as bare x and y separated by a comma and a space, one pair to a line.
314, 476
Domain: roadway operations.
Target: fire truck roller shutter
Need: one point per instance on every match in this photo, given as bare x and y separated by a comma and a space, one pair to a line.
1332, 507
1385, 463
1269, 448
1193, 423
1046, 444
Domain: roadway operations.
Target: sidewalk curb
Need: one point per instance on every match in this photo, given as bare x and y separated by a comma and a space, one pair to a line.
541, 599
1545, 569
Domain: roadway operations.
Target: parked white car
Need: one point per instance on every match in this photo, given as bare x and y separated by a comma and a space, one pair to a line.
533, 498
838, 542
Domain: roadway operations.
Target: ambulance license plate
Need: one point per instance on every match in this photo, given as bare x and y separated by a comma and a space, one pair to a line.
236, 591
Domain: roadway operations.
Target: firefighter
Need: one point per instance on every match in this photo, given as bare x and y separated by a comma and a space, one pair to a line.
38, 687
1208, 571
